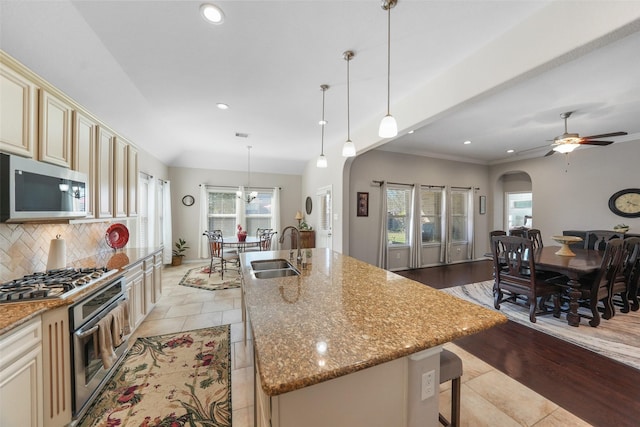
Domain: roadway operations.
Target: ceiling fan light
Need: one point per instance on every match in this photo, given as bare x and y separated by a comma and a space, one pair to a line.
348, 149
388, 127
565, 148
322, 161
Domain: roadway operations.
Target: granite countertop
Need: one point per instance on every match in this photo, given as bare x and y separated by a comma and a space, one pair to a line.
17, 313
342, 315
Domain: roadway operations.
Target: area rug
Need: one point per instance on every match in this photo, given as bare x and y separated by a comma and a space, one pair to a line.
199, 278
617, 338
180, 379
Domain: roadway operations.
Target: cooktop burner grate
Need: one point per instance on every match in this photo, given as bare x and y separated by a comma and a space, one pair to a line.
51, 284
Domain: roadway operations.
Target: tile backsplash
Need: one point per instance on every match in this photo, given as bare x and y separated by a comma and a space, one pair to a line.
24, 248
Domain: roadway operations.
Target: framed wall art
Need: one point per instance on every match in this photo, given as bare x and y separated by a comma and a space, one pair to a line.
362, 207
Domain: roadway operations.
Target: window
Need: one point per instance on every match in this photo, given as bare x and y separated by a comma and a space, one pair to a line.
459, 215
222, 214
222, 211
431, 215
519, 208
258, 213
398, 215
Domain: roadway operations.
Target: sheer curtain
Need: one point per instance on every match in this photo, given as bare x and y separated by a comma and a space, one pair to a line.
275, 210
382, 247
166, 223
203, 222
415, 239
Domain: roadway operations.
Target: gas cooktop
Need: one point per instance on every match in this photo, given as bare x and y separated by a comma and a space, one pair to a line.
58, 283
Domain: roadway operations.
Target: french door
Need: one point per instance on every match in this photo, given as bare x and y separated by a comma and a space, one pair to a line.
325, 213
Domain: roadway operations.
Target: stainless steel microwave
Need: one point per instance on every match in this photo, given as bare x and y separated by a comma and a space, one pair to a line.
31, 191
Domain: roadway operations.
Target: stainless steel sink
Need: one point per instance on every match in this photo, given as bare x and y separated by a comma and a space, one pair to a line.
270, 264
272, 274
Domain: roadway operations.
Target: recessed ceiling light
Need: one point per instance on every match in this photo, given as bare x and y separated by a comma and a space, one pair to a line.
410, 132
511, 151
222, 106
467, 142
212, 14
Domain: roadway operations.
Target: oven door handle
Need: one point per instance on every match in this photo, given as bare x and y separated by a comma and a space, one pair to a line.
83, 334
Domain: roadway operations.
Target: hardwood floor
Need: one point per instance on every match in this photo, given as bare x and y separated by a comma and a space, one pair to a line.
597, 389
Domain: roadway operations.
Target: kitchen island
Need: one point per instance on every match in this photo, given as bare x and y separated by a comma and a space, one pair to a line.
347, 343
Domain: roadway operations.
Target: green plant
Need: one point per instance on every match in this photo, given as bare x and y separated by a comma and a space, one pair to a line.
181, 246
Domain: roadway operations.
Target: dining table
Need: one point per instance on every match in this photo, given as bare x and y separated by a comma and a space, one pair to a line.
241, 245
584, 263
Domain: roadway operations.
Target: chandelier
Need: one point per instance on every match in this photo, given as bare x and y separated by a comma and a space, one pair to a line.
247, 197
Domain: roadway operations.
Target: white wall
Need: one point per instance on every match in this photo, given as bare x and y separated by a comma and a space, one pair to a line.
402, 168
185, 181
575, 194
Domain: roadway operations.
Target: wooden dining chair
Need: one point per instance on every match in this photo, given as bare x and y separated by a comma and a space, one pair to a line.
218, 252
516, 282
596, 290
629, 275
518, 232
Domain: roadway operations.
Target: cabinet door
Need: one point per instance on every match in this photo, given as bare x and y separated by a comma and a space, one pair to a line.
55, 130
132, 180
104, 173
84, 154
18, 105
21, 376
120, 171
157, 278
138, 307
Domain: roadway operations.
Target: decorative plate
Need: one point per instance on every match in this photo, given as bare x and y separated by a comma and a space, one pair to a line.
117, 236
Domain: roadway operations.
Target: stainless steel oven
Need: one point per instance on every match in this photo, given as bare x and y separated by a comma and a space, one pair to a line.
88, 370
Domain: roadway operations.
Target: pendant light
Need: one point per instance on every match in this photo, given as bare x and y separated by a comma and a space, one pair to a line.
322, 160
252, 195
348, 149
388, 125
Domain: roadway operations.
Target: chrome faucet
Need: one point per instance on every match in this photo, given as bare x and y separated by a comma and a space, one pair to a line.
292, 228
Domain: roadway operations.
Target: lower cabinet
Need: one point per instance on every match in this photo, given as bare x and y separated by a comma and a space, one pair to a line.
21, 397
56, 367
144, 286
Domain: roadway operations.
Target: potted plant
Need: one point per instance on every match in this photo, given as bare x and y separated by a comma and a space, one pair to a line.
178, 252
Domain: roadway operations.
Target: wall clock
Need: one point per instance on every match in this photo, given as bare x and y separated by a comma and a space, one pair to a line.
188, 200
626, 203
308, 205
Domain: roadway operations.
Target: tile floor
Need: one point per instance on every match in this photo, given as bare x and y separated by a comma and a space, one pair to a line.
489, 397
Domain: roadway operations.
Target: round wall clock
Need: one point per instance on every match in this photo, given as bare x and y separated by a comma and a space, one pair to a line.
626, 203
308, 205
188, 200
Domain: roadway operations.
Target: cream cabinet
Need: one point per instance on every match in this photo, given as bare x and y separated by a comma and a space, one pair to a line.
56, 367
134, 278
84, 154
18, 112
54, 142
157, 278
21, 402
132, 180
120, 171
104, 173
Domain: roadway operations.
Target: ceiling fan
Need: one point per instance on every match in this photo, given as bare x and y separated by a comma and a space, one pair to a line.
567, 142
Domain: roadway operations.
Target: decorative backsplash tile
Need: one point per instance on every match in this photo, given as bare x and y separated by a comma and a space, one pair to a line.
24, 248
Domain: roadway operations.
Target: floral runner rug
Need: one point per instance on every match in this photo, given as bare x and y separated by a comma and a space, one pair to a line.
199, 278
617, 338
180, 379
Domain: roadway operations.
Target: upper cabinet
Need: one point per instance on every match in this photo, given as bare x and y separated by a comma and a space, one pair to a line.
84, 154
18, 111
55, 130
132, 180
104, 173
120, 171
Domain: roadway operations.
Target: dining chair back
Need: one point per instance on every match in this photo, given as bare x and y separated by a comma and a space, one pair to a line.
266, 238
597, 239
518, 232
536, 238
516, 280
217, 252
630, 273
